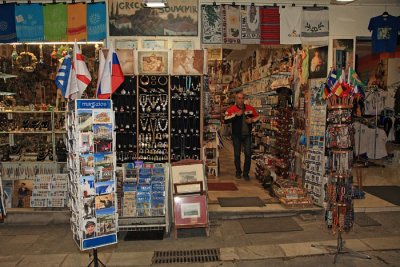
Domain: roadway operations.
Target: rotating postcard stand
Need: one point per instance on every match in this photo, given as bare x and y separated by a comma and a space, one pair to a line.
189, 196
91, 165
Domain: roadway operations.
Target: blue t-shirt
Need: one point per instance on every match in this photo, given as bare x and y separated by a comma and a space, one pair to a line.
384, 33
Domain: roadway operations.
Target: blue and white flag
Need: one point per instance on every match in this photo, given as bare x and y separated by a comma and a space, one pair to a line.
65, 80
96, 21
29, 22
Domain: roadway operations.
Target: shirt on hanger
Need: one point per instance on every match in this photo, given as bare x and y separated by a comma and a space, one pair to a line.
290, 21
384, 33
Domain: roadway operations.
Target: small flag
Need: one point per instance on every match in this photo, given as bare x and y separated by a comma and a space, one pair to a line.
82, 73
111, 76
354, 79
63, 78
327, 92
331, 78
337, 88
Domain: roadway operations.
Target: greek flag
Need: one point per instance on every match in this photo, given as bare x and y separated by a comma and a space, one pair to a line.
63, 76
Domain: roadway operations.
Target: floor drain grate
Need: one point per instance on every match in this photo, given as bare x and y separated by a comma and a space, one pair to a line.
184, 256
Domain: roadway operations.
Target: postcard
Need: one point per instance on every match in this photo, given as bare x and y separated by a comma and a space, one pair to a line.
85, 120
103, 188
106, 225
102, 131
105, 201
102, 116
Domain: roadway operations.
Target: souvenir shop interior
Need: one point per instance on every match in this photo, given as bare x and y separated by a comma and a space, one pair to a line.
118, 118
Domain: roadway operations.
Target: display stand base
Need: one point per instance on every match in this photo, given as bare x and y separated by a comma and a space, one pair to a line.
95, 261
341, 249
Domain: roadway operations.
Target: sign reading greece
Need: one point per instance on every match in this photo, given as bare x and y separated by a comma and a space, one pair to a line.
93, 104
131, 18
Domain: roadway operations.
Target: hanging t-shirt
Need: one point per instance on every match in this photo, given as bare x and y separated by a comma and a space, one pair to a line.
290, 24
315, 26
384, 33
374, 100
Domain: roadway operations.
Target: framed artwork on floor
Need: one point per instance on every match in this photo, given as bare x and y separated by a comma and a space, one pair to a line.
190, 210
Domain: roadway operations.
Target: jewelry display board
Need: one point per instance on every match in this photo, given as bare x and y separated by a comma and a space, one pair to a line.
153, 128
125, 103
185, 117
91, 165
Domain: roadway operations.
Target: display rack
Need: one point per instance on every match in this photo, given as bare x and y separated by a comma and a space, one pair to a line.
125, 103
146, 191
186, 106
26, 127
339, 211
91, 163
153, 126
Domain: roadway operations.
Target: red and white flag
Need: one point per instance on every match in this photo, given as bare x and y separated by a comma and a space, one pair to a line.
81, 73
110, 75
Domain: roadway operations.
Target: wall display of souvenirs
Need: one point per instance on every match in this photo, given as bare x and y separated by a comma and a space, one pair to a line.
92, 187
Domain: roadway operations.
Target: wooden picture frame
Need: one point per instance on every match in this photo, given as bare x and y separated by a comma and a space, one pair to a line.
190, 178
155, 44
190, 210
126, 44
153, 62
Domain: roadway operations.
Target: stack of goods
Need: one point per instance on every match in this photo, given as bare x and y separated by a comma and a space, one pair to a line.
185, 117
129, 187
291, 194
153, 118
263, 174
49, 191
282, 144
150, 196
124, 102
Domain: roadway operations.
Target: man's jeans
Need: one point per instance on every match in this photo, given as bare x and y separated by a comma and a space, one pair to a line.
238, 141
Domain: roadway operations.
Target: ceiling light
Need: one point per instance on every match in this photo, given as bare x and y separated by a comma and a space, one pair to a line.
155, 3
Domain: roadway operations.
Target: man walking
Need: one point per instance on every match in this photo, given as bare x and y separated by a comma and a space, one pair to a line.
242, 117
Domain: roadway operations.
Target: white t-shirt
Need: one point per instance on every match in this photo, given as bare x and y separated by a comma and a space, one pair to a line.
290, 19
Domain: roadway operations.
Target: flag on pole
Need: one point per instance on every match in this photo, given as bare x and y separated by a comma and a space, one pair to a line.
82, 73
64, 80
110, 75
354, 79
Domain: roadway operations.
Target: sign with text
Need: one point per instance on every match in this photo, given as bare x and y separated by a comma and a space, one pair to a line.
131, 18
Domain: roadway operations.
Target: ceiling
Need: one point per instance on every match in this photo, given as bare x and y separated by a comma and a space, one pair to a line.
305, 2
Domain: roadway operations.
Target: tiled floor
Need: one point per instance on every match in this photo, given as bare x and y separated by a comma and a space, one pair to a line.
253, 188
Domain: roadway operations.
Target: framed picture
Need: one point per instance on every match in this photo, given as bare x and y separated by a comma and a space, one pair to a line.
318, 62
187, 62
155, 44
189, 177
126, 44
126, 60
182, 44
153, 62
343, 53
190, 210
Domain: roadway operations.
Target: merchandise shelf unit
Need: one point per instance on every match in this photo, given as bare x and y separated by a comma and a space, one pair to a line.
42, 129
145, 199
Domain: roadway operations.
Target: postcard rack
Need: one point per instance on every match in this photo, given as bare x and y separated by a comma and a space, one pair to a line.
91, 166
145, 198
189, 196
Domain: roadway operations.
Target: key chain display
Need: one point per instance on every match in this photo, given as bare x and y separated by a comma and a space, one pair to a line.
185, 117
153, 118
124, 102
339, 213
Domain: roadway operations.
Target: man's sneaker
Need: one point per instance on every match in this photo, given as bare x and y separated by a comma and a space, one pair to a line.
246, 177
238, 175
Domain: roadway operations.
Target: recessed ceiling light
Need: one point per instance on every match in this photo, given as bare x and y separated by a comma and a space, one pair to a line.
155, 3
